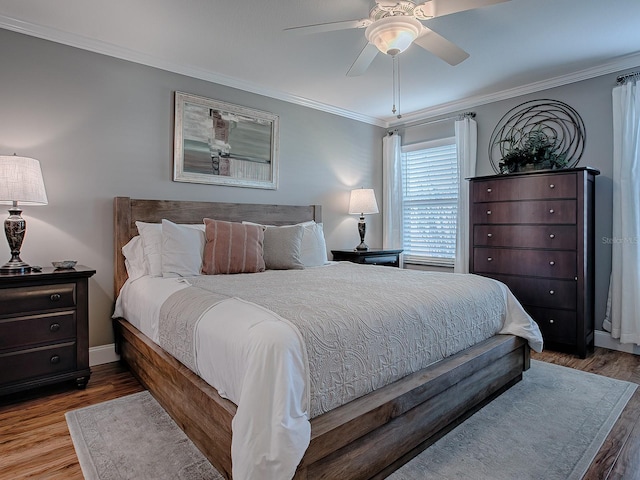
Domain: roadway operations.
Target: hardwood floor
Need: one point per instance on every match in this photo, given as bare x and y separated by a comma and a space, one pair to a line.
35, 441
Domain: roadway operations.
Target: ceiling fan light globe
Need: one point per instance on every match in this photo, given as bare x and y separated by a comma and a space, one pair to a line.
393, 35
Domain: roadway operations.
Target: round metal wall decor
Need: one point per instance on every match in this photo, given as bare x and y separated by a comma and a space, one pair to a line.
551, 122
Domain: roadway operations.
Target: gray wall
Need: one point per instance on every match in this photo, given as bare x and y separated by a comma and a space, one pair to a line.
592, 99
103, 127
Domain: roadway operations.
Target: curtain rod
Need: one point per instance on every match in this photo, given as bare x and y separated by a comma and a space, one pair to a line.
438, 120
621, 80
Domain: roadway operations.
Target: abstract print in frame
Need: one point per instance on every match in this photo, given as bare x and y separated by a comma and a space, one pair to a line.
224, 144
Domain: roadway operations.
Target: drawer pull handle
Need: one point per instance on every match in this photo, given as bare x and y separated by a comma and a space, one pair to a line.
551, 320
55, 359
54, 327
488, 212
551, 210
551, 292
489, 190
489, 235
552, 236
552, 186
55, 297
552, 263
489, 259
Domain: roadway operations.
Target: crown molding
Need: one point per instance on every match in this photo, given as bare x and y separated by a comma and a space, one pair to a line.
105, 48
613, 66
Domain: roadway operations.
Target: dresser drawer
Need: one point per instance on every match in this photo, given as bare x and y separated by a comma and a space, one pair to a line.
556, 325
36, 329
37, 362
562, 237
37, 298
541, 292
537, 263
538, 211
525, 188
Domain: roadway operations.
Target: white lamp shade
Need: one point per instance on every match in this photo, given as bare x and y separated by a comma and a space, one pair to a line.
394, 34
21, 181
363, 202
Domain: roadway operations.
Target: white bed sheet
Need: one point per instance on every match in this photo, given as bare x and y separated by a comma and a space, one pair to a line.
258, 350
140, 301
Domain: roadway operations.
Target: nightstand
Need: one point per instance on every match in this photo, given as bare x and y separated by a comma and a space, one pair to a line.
44, 331
373, 256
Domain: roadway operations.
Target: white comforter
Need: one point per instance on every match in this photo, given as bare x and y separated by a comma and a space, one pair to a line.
261, 351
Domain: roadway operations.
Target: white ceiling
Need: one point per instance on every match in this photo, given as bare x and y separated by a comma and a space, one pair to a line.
519, 46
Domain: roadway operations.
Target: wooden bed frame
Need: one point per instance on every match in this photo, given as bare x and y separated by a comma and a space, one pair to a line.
367, 438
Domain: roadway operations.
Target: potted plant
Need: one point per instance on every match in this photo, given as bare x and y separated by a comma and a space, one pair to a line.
536, 152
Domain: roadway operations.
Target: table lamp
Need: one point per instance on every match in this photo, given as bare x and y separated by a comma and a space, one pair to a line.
362, 202
20, 181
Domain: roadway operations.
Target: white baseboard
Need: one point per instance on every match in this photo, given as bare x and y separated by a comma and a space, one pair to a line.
605, 340
103, 354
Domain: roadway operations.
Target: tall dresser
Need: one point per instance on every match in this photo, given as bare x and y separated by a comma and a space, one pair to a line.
535, 233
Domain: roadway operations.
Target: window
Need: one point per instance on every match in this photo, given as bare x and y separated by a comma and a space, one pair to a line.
430, 202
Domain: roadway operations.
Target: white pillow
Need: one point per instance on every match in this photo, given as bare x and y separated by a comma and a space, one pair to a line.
134, 258
182, 249
151, 234
313, 251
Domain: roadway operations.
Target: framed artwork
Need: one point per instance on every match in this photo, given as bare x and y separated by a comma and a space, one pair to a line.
223, 144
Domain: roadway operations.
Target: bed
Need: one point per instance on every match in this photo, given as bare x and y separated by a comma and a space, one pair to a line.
367, 437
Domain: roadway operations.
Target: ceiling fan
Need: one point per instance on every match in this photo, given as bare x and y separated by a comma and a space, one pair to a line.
393, 26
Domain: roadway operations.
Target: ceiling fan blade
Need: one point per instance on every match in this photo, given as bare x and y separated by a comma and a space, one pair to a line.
363, 61
441, 47
446, 7
329, 27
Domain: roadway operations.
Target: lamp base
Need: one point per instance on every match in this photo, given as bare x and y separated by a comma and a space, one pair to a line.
362, 230
15, 266
14, 228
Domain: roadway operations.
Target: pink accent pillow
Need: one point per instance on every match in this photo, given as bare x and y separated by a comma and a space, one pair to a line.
232, 248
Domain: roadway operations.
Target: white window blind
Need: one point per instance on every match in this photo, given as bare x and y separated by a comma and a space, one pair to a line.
430, 202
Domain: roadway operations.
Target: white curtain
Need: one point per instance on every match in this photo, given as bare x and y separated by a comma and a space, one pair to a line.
392, 192
623, 306
466, 146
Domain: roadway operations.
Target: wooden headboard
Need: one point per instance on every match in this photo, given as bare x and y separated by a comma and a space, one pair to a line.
127, 211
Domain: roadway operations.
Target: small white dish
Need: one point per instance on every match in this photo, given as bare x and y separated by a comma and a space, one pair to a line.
64, 264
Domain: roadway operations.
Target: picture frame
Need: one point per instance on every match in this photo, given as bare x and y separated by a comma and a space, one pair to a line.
220, 143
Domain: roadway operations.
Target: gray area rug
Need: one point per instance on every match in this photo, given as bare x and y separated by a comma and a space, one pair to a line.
133, 437
550, 425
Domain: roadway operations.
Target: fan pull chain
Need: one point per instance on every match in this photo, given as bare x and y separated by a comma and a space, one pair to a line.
396, 86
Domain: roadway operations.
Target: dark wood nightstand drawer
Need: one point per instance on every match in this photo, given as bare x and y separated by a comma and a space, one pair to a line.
526, 188
538, 263
37, 298
36, 362
561, 237
381, 260
36, 329
373, 256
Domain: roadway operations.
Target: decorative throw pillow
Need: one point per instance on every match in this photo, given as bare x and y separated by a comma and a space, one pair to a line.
182, 249
232, 248
282, 246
